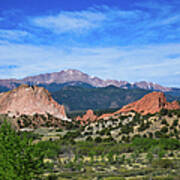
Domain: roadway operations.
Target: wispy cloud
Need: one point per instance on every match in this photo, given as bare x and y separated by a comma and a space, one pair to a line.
123, 63
13, 34
140, 42
82, 21
171, 20
157, 6
148, 22
70, 21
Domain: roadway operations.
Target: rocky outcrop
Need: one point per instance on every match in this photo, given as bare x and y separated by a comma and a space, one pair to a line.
30, 100
149, 104
104, 116
88, 117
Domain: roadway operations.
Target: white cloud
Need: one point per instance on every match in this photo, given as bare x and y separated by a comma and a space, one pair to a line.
149, 63
171, 20
70, 21
109, 24
161, 21
160, 14
13, 34
82, 21
177, 73
116, 26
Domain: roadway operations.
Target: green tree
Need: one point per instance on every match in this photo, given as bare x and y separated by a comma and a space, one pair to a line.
92, 153
175, 122
110, 157
150, 156
19, 158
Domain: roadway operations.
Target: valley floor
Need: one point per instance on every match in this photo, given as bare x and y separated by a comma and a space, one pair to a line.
140, 159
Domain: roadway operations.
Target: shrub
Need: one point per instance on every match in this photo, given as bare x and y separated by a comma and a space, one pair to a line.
163, 163
150, 134
164, 122
158, 134
89, 138
143, 126
59, 130
98, 139
175, 122
164, 129
170, 114
163, 112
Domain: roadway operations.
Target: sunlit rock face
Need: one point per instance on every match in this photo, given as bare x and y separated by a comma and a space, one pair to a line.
150, 103
88, 117
29, 101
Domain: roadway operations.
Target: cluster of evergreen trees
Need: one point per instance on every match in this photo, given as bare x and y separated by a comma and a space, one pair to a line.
19, 158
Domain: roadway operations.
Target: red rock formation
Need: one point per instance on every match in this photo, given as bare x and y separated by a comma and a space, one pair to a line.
89, 116
149, 104
103, 116
30, 100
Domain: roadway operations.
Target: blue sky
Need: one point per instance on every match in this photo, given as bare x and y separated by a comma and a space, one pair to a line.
129, 40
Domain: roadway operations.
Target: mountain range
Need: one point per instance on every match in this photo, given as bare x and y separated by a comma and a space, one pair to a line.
79, 91
54, 81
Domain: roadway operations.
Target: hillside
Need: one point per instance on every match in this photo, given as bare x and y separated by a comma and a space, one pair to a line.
78, 98
53, 87
111, 97
124, 126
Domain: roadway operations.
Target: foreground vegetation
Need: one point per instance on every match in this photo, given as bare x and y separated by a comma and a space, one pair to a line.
19, 159
130, 147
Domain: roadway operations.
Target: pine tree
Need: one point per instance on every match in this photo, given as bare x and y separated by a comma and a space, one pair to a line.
19, 158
